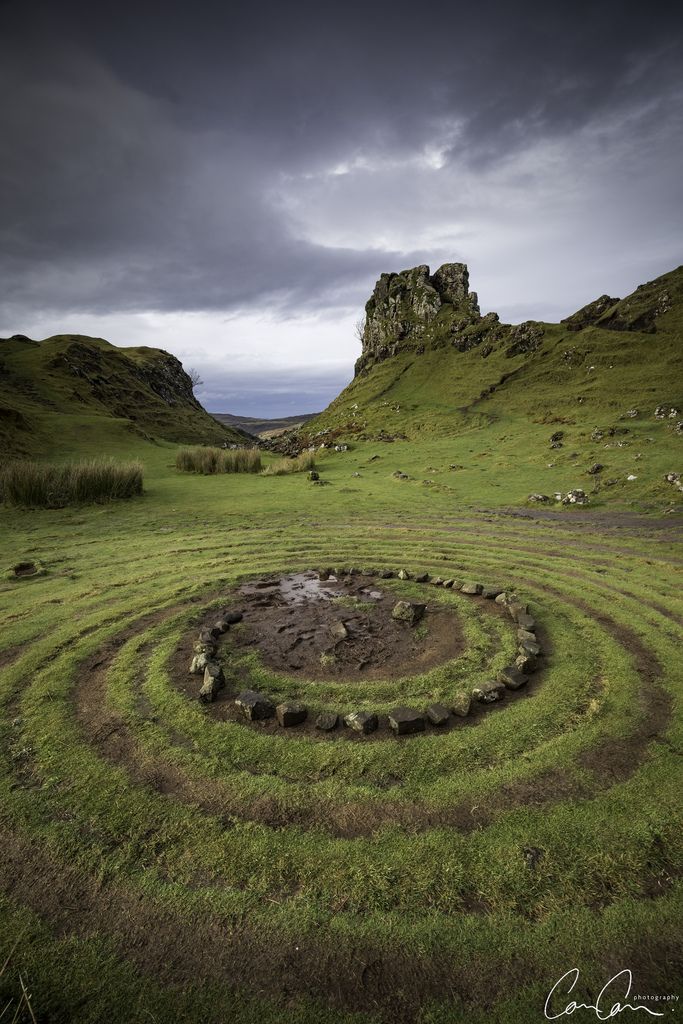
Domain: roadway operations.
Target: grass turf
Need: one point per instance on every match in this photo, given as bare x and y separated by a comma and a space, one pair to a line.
194, 870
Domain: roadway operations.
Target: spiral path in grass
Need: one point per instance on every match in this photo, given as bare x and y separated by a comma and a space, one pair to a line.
177, 858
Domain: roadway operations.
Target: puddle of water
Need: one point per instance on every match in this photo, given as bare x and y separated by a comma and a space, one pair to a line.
296, 588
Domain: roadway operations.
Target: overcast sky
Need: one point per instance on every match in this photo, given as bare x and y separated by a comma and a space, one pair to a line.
228, 181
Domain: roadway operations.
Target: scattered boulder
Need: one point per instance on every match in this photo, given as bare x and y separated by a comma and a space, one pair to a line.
313, 476
204, 648
597, 467
516, 608
398, 475
327, 721
222, 625
291, 714
339, 631
208, 691
575, 497
214, 671
631, 414
232, 617
512, 678
405, 721
526, 634
408, 611
675, 480
488, 692
471, 588
254, 706
198, 664
526, 663
539, 498
503, 598
438, 714
664, 412
403, 574
207, 635
361, 721
557, 436
461, 704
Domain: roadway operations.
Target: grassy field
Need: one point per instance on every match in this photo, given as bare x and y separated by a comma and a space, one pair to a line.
158, 864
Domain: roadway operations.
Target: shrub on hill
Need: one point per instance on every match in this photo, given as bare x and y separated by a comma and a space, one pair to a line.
42, 485
218, 460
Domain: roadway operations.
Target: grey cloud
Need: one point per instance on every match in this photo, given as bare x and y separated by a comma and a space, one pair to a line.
143, 144
289, 393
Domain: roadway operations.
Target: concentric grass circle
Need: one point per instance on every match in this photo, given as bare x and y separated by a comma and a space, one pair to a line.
198, 863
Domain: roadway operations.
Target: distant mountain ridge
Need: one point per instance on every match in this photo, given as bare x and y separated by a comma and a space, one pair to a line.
256, 426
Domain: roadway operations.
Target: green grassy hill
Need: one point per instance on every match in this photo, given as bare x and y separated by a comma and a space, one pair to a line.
71, 392
490, 398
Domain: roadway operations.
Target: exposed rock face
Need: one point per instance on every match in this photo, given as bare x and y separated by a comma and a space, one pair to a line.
415, 310
639, 311
589, 314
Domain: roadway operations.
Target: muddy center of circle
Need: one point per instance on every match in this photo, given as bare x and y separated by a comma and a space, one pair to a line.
340, 628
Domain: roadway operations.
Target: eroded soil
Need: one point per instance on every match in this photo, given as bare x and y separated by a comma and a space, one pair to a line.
340, 628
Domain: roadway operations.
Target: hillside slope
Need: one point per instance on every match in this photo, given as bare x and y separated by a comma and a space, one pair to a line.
70, 387
534, 396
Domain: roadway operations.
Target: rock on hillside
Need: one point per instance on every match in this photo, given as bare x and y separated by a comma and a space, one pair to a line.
641, 311
415, 309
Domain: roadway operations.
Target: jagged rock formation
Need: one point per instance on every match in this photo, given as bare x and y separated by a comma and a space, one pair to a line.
589, 314
639, 311
415, 310
109, 381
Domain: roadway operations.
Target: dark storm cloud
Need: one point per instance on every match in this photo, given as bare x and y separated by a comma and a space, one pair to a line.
147, 148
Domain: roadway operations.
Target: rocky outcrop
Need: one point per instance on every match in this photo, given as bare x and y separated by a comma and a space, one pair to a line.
415, 310
589, 314
109, 373
639, 311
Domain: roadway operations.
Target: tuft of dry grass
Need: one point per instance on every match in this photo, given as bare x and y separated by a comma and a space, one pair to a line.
43, 485
218, 460
301, 464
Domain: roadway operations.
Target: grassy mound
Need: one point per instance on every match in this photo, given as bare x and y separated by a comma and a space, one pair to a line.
218, 460
41, 485
69, 390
